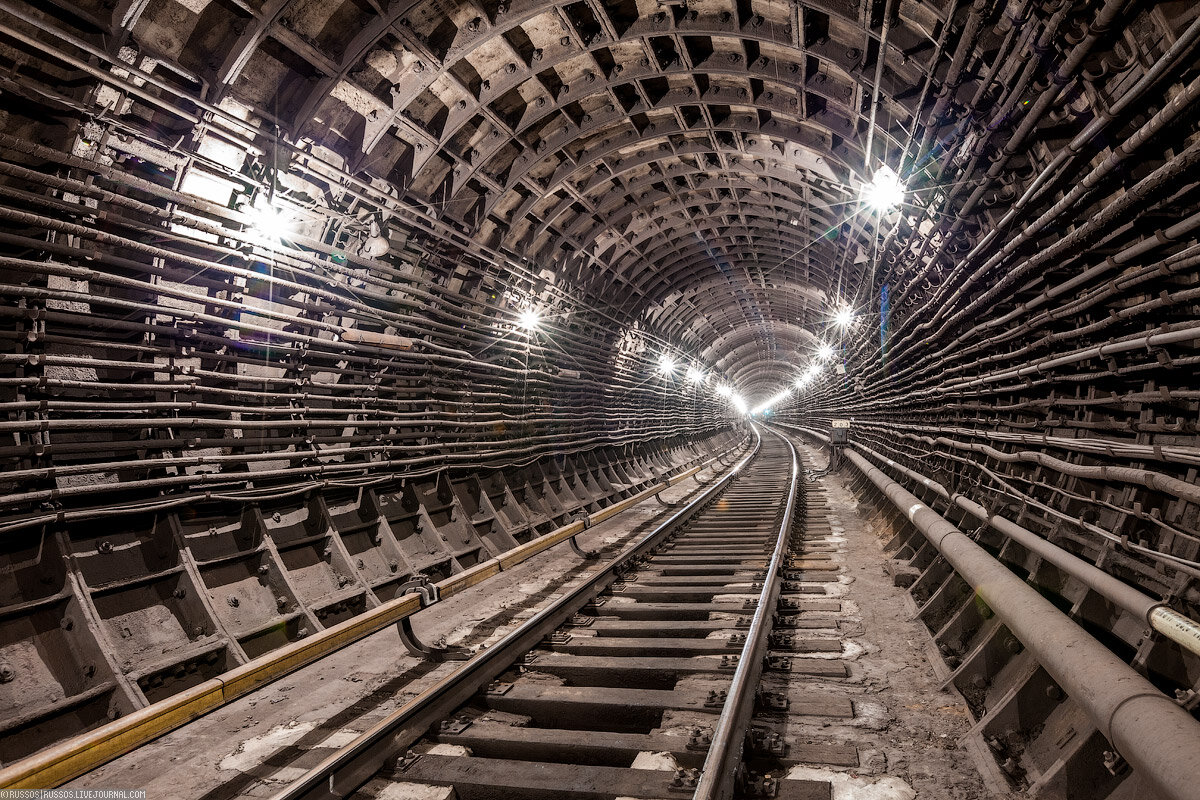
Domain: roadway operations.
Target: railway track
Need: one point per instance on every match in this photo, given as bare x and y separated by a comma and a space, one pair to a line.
667, 674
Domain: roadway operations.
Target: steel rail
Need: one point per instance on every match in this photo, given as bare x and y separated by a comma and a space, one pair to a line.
353, 765
89, 750
721, 765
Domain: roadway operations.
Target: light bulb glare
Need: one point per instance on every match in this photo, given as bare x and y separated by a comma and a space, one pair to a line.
885, 191
270, 223
529, 320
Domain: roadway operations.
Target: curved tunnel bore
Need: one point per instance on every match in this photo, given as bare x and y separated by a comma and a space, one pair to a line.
304, 299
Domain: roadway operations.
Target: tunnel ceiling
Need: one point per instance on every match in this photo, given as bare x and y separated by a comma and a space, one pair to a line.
695, 164
695, 167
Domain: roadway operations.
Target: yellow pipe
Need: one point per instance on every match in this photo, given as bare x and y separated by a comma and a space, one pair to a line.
1175, 626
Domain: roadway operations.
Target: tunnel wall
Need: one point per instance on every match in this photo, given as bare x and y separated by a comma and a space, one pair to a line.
172, 370
1044, 368
224, 433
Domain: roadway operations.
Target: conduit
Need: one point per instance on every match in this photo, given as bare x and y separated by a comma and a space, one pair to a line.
1163, 619
1154, 734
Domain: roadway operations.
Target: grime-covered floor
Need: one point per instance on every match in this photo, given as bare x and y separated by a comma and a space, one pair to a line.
910, 731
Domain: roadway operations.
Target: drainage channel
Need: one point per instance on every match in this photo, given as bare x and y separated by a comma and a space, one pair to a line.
645, 682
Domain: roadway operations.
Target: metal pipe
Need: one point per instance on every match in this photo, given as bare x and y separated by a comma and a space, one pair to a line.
1152, 732
879, 62
1163, 619
1007, 491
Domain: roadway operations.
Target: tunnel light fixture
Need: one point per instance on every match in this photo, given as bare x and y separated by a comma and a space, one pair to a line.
666, 364
529, 320
885, 191
738, 403
825, 351
844, 317
271, 223
695, 375
377, 244
724, 391
814, 369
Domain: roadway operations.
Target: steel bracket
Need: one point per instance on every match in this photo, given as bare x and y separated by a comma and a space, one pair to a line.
408, 637
781, 640
685, 780
454, 725
429, 592
699, 739
1188, 699
407, 760
772, 701
778, 663
765, 741
756, 785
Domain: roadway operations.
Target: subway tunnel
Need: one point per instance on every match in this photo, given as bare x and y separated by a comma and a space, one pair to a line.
325, 323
